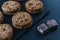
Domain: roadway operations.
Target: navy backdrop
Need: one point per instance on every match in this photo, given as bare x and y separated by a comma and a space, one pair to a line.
54, 8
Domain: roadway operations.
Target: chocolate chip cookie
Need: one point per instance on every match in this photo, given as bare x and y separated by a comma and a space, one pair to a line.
5, 32
34, 6
1, 17
11, 7
22, 20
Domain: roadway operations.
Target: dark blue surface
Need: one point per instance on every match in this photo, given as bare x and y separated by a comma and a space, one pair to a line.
54, 7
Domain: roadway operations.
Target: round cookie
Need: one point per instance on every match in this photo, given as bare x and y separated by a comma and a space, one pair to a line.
21, 20
5, 32
1, 17
11, 7
34, 6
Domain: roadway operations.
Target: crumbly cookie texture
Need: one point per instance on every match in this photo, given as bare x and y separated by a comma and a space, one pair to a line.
17, 0
11, 7
5, 32
21, 20
1, 17
34, 6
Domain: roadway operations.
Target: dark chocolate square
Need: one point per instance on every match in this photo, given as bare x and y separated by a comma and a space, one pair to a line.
52, 23
43, 28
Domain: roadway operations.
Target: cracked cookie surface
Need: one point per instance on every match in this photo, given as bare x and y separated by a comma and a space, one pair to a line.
21, 20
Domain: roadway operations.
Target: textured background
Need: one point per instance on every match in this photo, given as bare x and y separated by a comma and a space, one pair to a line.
54, 8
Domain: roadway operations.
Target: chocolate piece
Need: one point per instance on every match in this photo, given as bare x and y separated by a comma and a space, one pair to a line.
43, 28
52, 24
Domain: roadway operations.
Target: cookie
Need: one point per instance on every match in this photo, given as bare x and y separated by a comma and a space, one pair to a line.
11, 7
34, 6
17, 0
5, 32
21, 20
1, 17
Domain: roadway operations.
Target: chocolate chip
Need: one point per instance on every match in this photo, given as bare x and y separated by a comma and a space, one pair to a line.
4, 29
31, 4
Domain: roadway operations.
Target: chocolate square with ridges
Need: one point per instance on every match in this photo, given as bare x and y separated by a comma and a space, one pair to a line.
52, 24
43, 28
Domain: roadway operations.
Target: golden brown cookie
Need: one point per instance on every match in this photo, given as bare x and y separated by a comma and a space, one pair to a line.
22, 20
1, 17
11, 7
5, 32
34, 6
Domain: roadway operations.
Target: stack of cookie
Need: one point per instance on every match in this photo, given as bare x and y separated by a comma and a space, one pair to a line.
20, 19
